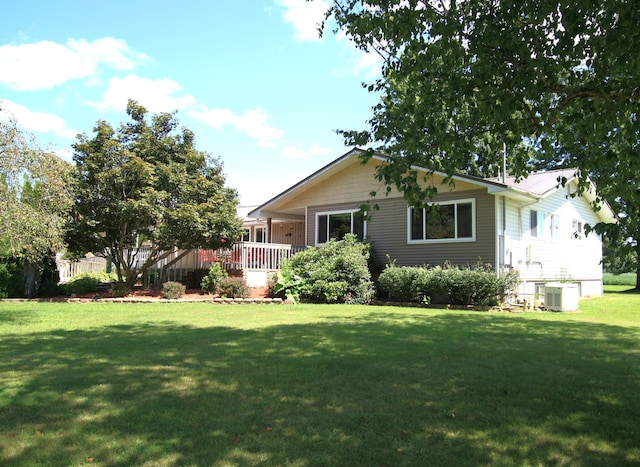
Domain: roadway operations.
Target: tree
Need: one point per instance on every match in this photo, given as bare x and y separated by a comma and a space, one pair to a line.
147, 185
35, 199
553, 82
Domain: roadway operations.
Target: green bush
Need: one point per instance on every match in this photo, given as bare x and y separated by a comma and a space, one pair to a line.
118, 289
213, 277
285, 284
627, 278
173, 290
403, 283
11, 283
232, 287
87, 282
335, 272
80, 284
478, 286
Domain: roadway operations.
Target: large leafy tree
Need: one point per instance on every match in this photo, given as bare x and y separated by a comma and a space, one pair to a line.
35, 199
147, 185
555, 83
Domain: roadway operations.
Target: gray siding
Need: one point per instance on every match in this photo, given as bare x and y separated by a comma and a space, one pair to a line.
387, 230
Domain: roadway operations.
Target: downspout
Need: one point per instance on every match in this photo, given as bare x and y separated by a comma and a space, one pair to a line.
306, 226
503, 251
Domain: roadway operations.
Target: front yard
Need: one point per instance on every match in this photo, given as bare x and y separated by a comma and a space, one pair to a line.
201, 384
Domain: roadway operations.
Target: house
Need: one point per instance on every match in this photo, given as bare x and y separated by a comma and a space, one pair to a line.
533, 225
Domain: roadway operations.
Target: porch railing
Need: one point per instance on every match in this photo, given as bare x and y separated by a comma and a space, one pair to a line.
240, 256
252, 255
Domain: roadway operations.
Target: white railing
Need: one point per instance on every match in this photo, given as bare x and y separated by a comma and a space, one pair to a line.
67, 269
240, 257
252, 255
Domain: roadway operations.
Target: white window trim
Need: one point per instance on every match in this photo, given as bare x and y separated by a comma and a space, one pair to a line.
343, 211
577, 227
445, 240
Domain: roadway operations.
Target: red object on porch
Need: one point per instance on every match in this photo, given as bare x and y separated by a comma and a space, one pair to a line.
207, 256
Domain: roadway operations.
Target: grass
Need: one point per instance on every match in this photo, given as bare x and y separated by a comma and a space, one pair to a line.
627, 278
196, 384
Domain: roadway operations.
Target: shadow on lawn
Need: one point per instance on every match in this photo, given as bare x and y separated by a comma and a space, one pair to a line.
441, 390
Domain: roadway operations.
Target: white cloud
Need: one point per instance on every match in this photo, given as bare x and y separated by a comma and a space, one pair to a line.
64, 154
40, 122
305, 16
365, 63
252, 122
46, 64
297, 152
294, 152
157, 95
318, 150
369, 64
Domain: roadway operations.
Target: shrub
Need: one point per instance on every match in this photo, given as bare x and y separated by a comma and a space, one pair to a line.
118, 289
49, 277
102, 276
213, 277
336, 271
87, 282
628, 278
286, 285
403, 283
232, 287
173, 290
478, 286
81, 284
11, 283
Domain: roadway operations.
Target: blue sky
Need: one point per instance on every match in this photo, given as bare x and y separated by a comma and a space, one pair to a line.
251, 78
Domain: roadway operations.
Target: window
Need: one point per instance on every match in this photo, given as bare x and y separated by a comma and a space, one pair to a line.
544, 225
539, 224
447, 221
246, 235
533, 223
260, 235
337, 224
554, 226
578, 229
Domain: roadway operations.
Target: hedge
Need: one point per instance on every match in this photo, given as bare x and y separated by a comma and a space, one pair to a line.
477, 286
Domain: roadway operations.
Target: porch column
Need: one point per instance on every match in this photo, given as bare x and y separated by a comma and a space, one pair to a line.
269, 230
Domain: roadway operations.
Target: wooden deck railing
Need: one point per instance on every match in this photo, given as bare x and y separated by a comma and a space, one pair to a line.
251, 255
241, 256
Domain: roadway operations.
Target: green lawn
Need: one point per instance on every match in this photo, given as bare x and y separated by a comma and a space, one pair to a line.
199, 384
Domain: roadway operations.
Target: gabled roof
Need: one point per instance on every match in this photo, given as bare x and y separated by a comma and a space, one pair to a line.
538, 183
534, 187
265, 209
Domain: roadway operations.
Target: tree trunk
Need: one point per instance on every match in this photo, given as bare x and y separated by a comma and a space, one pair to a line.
131, 279
637, 252
31, 276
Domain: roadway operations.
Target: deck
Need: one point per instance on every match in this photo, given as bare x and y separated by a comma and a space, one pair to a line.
254, 261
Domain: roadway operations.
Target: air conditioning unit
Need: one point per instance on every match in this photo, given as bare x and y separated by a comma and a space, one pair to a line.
561, 297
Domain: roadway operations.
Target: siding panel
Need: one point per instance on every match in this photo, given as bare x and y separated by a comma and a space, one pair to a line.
387, 231
548, 258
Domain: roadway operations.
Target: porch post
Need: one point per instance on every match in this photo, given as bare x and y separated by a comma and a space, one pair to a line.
269, 230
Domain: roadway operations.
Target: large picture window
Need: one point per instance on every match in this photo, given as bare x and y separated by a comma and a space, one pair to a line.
446, 221
337, 224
